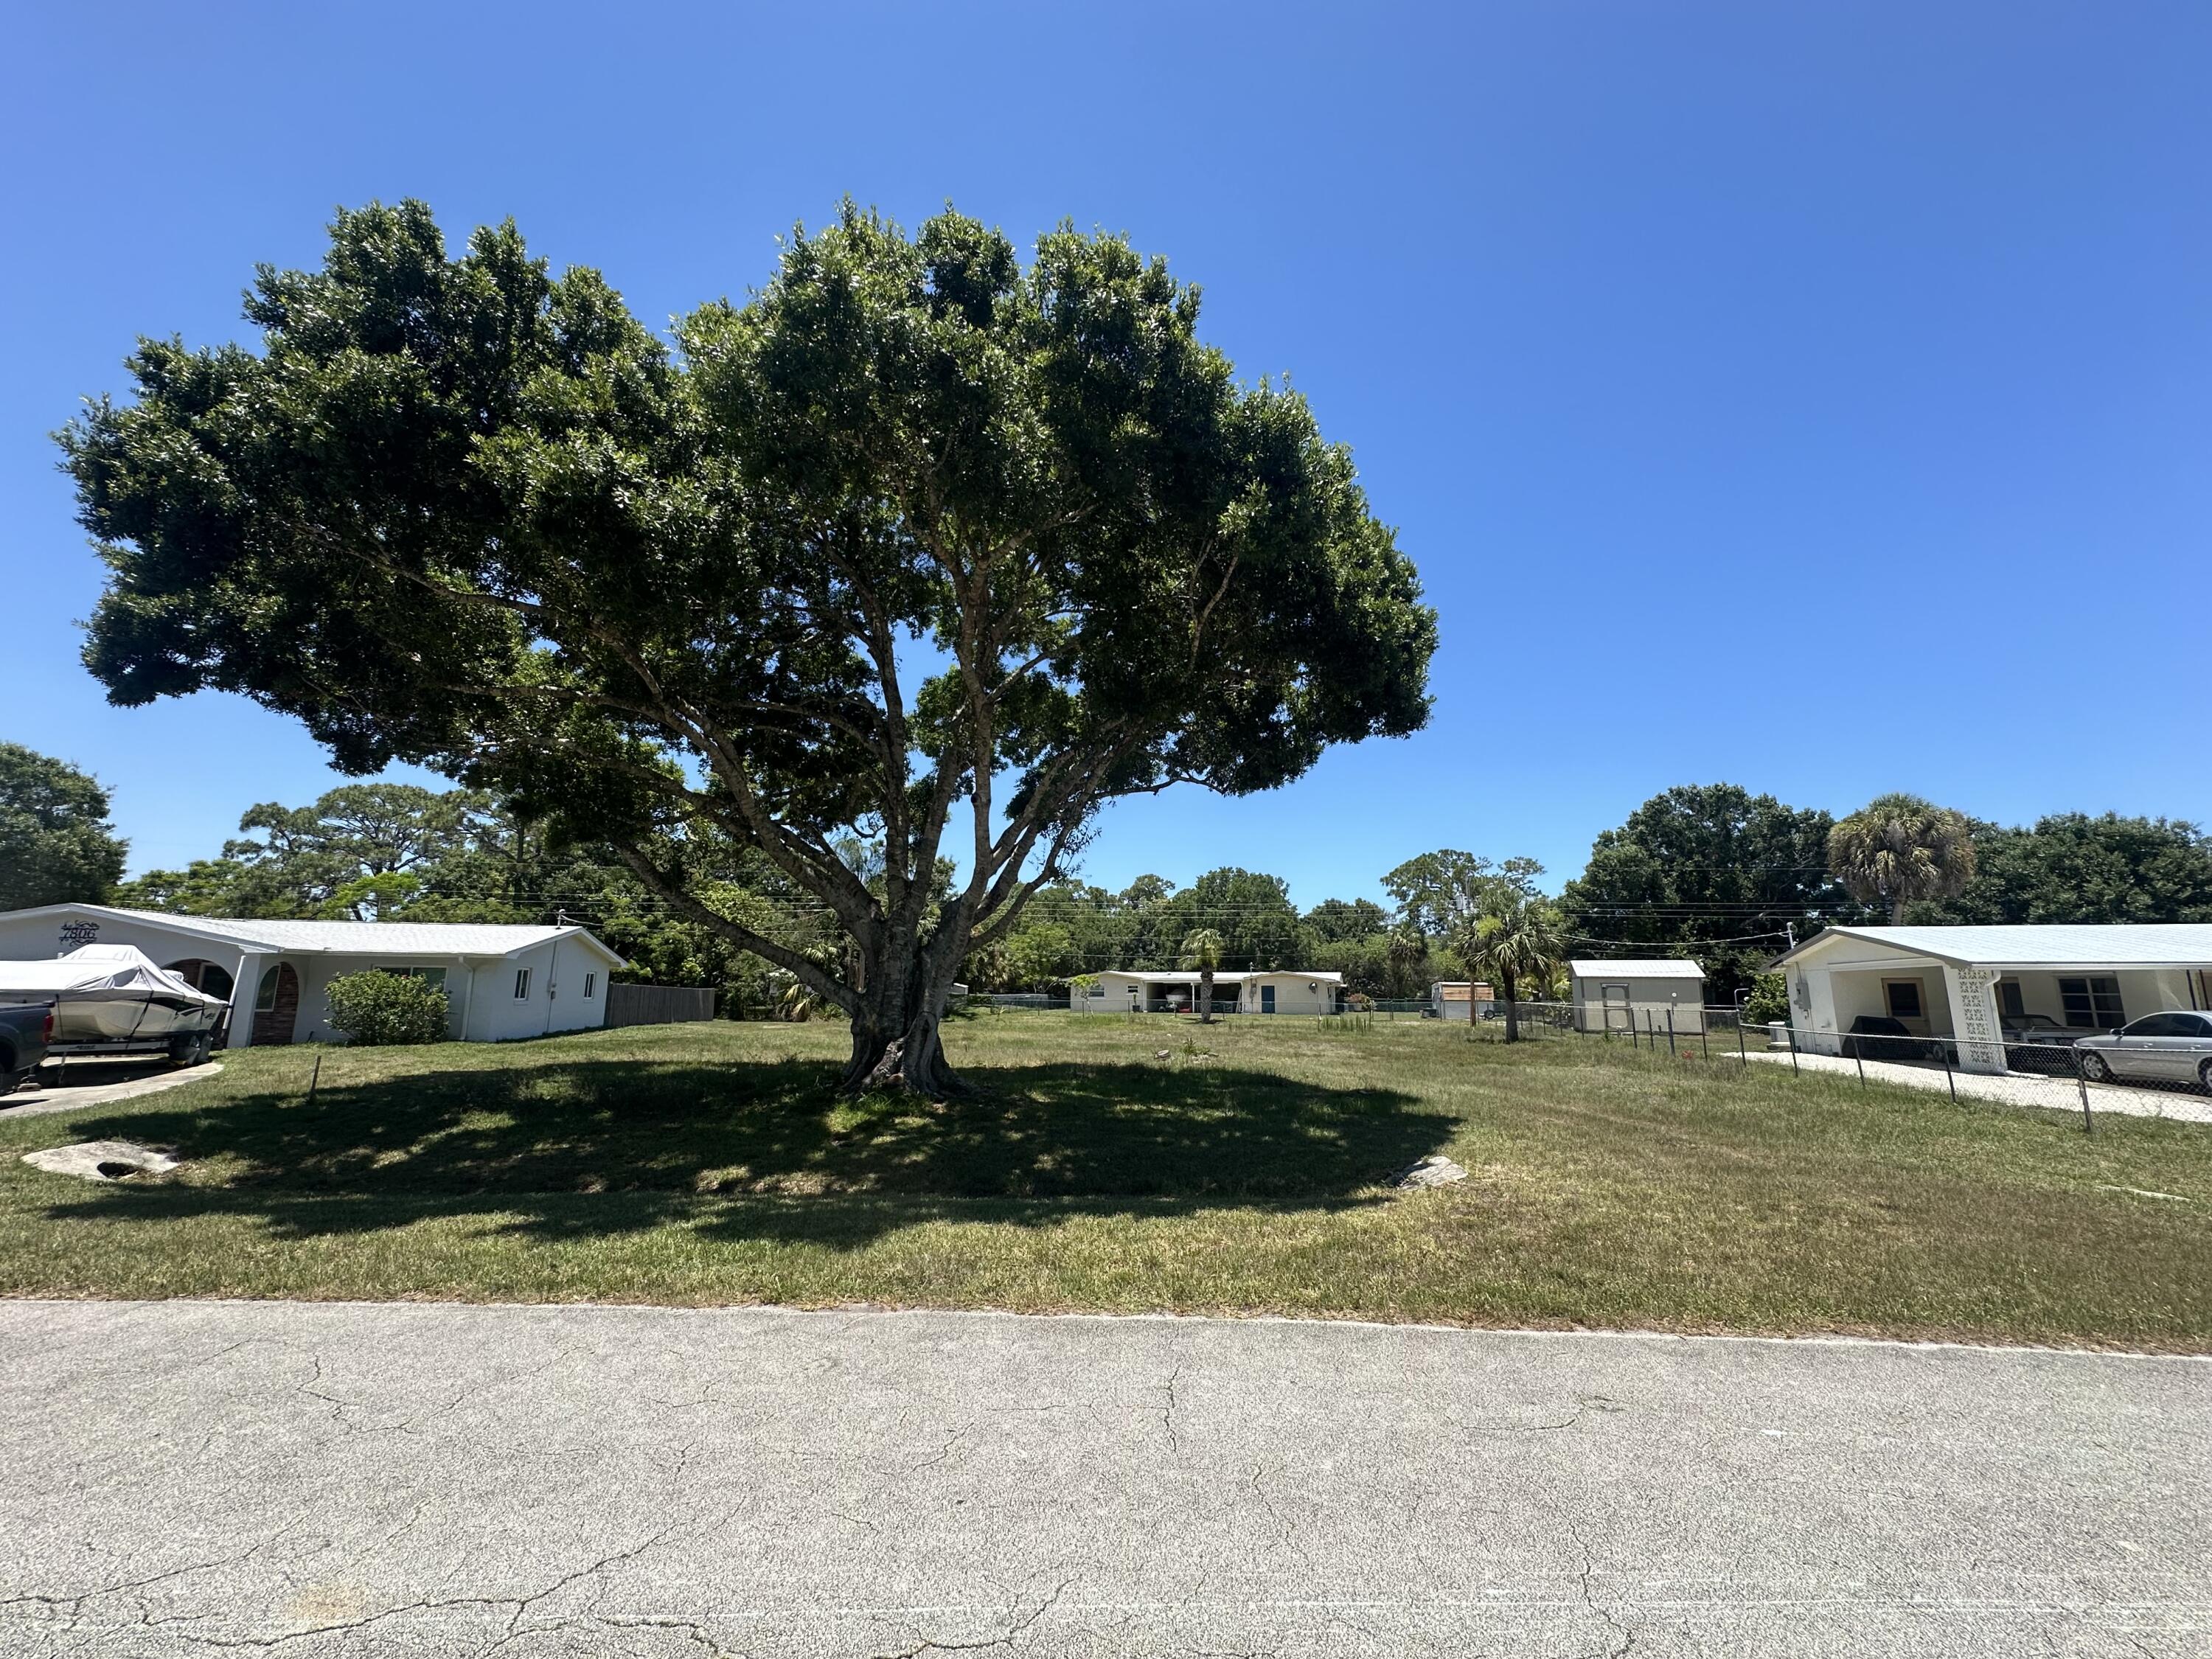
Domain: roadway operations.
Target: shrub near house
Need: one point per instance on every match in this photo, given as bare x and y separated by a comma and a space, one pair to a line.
376, 1009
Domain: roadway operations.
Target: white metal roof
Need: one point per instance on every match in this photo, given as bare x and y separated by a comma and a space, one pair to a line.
1637, 968
358, 938
2036, 945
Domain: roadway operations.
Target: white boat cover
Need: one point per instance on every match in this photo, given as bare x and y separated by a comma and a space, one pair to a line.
119, 969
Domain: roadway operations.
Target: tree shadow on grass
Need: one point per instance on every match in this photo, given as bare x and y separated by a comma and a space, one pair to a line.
612, 1147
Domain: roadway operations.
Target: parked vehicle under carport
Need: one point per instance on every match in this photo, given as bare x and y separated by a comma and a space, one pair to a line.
1877, 1036
2039, 1043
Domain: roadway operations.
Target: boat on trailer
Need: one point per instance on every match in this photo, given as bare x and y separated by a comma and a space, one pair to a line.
113, 1001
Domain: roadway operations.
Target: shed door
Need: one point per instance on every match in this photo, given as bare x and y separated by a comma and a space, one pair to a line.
1618, 1015
1266, 998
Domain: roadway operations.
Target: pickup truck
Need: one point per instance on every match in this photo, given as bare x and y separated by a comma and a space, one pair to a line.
25, 1030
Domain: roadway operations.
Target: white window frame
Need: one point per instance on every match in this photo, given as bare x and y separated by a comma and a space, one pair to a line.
522, 985
1919, 996
591, 986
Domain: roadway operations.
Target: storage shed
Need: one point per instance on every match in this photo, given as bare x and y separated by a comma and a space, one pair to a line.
499, 981
1638, 993
1459, 1000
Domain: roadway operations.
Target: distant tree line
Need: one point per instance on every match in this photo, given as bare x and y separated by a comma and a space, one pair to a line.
1710, 872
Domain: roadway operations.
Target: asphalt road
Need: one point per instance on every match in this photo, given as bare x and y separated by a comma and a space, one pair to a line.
198, 1478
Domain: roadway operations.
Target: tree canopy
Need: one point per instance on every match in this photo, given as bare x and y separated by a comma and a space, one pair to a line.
1899, 848
917, 533
2072, 867
57, 846
1710, 872
1439, 894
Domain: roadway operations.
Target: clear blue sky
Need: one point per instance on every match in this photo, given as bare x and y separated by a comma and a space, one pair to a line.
1816, 396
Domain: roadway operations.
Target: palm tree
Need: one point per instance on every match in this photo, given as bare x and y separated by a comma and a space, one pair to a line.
1515, 935
798, 1000
1897, 849
1202, 949
1407, 950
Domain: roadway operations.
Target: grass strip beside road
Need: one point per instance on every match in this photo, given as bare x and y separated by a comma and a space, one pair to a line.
714, 1163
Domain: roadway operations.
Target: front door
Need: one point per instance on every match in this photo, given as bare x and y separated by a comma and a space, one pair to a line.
277, 1007
1266, 998
1617, 1015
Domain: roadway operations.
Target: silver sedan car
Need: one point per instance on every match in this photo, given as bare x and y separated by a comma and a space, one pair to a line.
2174, 1046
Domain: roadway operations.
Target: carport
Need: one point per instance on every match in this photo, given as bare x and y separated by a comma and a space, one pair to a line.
1967, 982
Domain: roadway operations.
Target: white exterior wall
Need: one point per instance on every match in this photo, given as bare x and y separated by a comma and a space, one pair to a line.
1293, 994
1112, 998
1113, 987
35, 939
1856, 991
479, 990
2142, 990
555, 1002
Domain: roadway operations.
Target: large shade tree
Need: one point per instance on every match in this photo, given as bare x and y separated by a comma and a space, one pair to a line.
915, 536
2072, 867
57, 846
1709, 871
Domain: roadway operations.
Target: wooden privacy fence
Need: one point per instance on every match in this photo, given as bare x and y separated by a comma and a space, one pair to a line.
659, 1005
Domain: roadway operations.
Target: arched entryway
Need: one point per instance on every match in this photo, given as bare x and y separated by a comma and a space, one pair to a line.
275, 1006
204, 976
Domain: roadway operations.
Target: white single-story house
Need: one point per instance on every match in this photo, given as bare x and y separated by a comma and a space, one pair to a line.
1458, 999
500, 981
1966, 983
1638, 993
1265, 991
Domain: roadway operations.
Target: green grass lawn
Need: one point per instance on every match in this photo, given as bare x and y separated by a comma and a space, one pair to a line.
713, 1164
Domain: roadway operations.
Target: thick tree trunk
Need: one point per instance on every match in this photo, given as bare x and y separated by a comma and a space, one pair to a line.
897, 1041
1512, 1014
1206, 997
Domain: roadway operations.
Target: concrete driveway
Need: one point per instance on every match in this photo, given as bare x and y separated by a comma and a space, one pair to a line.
72, 1087
2054, 1094
190, 1479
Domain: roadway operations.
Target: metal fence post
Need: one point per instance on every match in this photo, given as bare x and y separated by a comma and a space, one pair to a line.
1742, 1053
2082, 1081
1792, 1029
1671, 1054
1858, 1054
1705, 1034
1947, 1078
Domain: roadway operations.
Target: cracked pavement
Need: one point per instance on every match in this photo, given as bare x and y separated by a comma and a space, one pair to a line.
366, 1479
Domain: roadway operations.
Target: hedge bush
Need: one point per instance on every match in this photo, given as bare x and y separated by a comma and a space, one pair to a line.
375, 1009
1768, 1001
